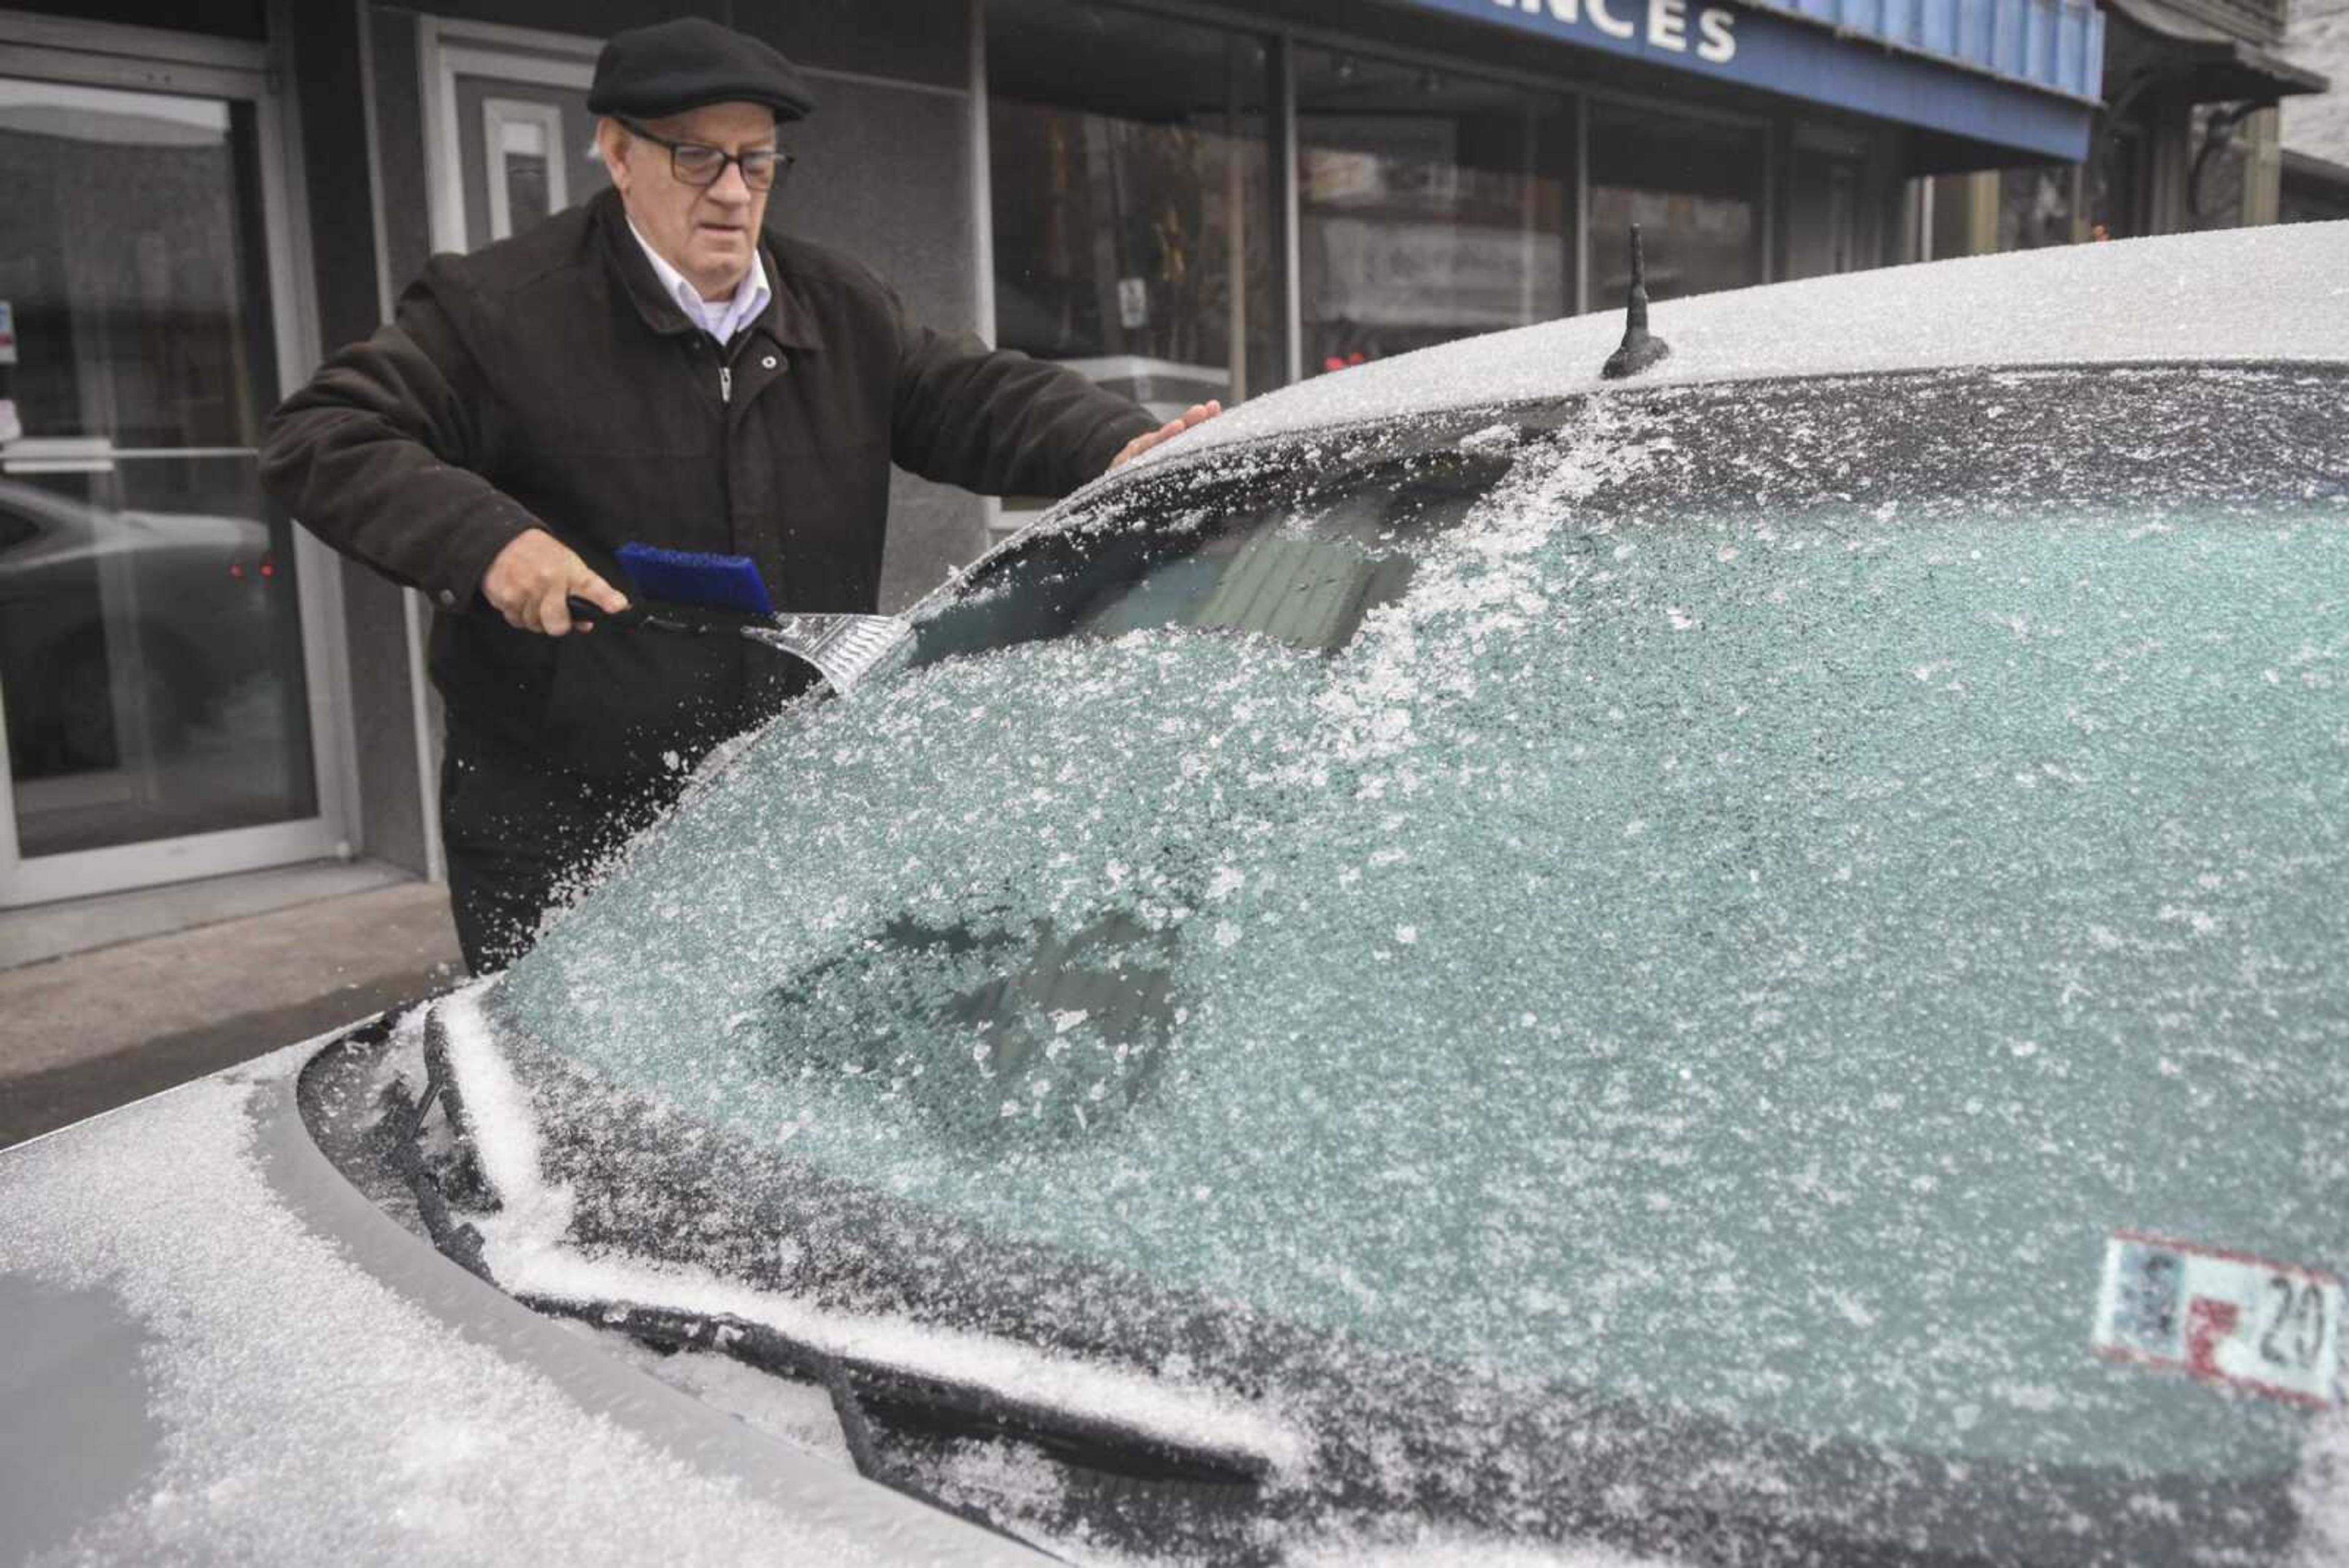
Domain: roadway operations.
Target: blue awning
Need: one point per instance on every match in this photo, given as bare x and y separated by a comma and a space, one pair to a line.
2025, 75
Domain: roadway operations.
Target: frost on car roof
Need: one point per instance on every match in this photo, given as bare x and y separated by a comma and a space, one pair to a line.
305, 1413
2240, 294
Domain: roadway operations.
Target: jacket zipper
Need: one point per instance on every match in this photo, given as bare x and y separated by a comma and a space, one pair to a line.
725, 383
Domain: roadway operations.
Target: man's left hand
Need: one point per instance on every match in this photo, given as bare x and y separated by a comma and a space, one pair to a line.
1197, 415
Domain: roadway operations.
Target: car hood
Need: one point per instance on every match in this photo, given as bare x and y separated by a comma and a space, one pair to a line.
220, 1350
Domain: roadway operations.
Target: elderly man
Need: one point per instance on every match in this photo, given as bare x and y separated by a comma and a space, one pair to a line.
655, 366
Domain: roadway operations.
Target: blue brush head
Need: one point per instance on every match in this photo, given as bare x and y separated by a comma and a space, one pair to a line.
686, 577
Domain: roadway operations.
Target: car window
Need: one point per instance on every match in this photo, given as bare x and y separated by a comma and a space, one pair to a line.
1719, 904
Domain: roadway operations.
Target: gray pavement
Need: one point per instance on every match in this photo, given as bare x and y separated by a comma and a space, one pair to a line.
93, 1029
53, 931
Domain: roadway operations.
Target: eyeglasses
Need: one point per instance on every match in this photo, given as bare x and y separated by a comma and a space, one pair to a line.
764, 168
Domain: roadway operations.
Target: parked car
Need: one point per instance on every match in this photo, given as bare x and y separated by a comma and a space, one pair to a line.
103, 613
1739, 965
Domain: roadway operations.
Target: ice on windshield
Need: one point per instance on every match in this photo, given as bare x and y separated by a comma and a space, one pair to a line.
1765, 893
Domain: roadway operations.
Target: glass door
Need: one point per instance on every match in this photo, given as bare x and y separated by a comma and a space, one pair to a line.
159, 631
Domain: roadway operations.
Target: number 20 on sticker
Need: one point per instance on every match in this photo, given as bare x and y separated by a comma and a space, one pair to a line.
2265, 1327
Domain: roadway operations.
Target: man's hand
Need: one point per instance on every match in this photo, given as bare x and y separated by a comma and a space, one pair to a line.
1197, 415
530, 577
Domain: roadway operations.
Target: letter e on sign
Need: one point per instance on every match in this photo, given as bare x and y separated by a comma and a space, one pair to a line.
1720, 45
1668, 26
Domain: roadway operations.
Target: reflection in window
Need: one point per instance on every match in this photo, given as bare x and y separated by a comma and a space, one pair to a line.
1301, 565
127, 267
1132, 225
527, 179
150, 655
1694, 187
1432, 206
525, 158
2035, 208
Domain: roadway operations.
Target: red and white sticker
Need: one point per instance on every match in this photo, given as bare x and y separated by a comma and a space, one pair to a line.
2222, 1317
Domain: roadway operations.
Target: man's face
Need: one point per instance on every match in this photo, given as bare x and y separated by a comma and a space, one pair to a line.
708, 233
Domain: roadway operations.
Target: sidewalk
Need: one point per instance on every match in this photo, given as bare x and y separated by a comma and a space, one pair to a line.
90, 1030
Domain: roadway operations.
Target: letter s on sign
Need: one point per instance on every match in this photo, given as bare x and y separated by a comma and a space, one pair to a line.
1720, 45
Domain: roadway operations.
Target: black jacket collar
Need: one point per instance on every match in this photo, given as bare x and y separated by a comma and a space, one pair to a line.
787, 319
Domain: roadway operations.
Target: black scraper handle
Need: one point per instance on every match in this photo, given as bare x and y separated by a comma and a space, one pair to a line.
587, 613
637, 617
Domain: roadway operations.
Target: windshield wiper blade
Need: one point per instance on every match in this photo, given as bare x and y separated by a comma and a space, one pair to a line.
673, 1330
1225, 1479
860, 1389
908, 1402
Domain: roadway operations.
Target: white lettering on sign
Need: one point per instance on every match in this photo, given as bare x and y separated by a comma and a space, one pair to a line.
1614, 27
1667, 25
1720, 45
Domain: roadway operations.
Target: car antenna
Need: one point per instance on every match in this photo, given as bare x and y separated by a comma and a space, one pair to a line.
1639, 349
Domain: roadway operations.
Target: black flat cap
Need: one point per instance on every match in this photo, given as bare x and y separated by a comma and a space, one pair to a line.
672, 67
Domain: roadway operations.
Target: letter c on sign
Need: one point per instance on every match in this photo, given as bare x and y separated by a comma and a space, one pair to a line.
1720, 45
1613, 26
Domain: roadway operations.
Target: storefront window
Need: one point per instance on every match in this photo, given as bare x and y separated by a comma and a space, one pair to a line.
2116, 197
1134, 233
2035, 208
2221, 167
1694, 187
151, 650
1431, 207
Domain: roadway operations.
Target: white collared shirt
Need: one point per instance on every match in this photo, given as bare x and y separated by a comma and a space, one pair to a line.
722, 319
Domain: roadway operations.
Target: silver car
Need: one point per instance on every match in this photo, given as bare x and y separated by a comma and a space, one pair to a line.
1743, 964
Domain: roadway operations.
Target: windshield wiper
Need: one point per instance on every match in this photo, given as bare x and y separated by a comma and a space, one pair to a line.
862, 1390
859, 1390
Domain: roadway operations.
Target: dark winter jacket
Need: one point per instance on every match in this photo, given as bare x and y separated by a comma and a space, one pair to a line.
546, 381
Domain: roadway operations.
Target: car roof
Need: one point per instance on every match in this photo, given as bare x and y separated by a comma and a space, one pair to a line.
2240, 296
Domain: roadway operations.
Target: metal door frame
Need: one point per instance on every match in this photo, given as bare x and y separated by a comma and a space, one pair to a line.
95, 54
446, 49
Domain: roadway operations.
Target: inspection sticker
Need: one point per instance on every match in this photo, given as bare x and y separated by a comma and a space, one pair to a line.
2252, 1324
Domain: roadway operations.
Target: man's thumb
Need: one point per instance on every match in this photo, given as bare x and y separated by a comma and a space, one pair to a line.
598, 592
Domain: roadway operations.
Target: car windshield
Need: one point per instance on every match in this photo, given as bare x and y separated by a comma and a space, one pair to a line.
1639, 958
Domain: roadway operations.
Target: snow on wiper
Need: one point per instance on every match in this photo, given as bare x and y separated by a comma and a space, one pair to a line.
862, 1390
951, 1378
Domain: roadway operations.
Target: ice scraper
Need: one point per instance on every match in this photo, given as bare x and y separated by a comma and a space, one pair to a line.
695, 595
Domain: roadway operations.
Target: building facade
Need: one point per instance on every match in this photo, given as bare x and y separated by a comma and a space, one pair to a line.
1181, 200
2315, 128
2187, 137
